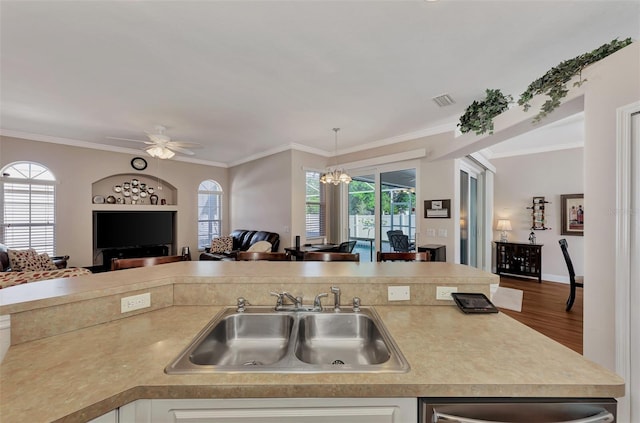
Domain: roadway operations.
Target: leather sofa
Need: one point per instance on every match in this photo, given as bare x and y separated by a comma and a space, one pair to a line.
242, 240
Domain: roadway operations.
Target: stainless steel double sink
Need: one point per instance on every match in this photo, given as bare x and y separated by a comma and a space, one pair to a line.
260, 339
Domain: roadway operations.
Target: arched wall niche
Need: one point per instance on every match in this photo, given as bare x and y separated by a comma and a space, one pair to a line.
114, 186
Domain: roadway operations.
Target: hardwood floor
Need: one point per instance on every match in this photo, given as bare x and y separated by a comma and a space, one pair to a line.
543, 309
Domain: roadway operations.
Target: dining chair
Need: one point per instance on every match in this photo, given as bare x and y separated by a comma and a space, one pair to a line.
325, 256
261, 255
400, 243
403, 256
392, 233
346, 247
574, 281
128, 263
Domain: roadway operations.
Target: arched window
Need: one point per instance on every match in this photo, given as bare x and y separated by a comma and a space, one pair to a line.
209, 212
28, 218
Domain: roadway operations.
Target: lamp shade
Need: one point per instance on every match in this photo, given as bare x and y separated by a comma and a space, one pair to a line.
504, 225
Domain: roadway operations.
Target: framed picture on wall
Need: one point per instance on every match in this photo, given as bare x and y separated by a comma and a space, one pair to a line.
572, 214
437, 209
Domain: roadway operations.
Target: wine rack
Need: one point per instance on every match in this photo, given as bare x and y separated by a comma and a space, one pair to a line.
538, 221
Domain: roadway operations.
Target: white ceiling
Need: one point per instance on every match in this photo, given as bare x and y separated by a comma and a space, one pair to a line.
247, 78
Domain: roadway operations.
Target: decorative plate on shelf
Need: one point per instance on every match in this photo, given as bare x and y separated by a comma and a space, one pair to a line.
98, 199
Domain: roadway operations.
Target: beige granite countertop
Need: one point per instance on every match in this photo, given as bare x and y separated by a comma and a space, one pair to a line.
74, 356
60, 291
80, 375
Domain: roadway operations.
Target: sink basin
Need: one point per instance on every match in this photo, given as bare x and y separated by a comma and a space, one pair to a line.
263, 340
339, 339
245, 340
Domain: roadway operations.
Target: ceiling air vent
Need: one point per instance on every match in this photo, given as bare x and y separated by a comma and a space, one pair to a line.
443, 100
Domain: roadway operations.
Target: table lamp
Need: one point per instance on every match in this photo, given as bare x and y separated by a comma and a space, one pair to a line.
504, 225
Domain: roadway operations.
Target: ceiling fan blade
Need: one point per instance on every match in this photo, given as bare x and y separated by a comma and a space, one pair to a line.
172, 144
128, 139
182, 150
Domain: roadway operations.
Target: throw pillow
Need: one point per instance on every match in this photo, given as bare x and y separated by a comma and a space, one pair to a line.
19, 259
41, 262
261, 247
222, 244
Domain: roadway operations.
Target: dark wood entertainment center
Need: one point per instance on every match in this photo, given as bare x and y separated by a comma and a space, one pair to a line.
142, 213
128, 252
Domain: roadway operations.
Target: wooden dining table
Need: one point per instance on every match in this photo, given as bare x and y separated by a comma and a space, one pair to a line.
299, 253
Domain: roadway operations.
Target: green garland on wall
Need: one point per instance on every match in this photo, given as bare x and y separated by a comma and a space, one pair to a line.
479, 115
554, 82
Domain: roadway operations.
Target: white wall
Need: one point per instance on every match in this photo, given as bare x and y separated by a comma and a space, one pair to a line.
260, 193
438, 182
612, 83
77, 168
550, 175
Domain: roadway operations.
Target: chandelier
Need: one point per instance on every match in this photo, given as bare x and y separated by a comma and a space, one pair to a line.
335, 176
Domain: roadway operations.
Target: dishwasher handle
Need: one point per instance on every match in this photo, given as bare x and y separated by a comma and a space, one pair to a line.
603, 417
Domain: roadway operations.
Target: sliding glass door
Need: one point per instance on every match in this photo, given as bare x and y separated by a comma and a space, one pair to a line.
471, 200
398, 206
380, 201
362, 215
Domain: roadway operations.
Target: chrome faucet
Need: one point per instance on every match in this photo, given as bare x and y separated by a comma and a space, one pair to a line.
279, 301
356, 304
317, 302
242, 304
297, 301
336, 298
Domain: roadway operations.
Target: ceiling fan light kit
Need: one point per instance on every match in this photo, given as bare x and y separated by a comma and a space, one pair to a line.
335, 176
160, 152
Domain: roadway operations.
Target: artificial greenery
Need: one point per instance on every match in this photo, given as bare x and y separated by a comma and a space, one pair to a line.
553, 83
479, 115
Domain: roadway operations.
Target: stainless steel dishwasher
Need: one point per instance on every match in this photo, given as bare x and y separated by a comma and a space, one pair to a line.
520, 410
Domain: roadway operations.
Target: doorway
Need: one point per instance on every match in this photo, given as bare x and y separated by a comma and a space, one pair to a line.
378, 201
471, 246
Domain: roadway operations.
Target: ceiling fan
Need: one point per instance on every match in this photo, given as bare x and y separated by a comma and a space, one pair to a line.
161, 146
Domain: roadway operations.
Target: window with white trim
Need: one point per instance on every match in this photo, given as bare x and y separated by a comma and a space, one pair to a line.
28, 218
209, 212
315, 207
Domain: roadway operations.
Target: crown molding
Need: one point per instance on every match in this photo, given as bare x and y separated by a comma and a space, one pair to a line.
95, 146
434, 130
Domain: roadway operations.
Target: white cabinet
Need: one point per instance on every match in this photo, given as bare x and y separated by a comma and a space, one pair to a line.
110, 417
5, 335
272, 410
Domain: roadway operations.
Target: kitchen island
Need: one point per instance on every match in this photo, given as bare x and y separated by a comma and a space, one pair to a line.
77, 371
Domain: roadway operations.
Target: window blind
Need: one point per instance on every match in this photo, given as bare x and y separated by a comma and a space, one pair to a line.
209, 212
28, 210
315, 207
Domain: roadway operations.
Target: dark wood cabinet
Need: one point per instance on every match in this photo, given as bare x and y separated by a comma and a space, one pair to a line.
519, 259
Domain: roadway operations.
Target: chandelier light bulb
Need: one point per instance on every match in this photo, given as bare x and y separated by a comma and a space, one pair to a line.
335, 176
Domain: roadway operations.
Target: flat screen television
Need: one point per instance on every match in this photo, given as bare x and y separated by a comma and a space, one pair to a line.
117, 229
